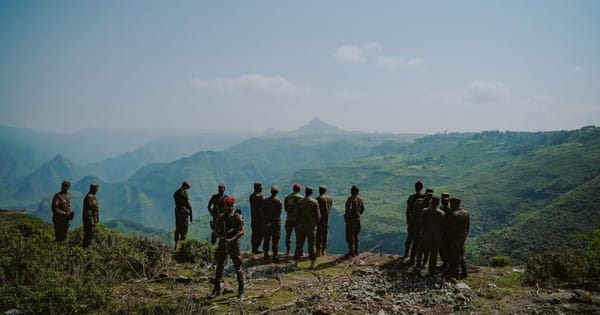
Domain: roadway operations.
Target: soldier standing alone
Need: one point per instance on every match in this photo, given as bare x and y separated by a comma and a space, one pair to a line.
61, 212
229, 228
354, 209
183, 209
306, 225
325, 204
215, 207
290, 202
272, 231
90, 215
256, 217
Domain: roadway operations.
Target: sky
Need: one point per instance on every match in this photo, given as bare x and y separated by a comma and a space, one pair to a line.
375, 66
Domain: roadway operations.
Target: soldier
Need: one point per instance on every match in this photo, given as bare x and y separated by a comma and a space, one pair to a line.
354, 209
306, 225
90, 215
183, 209
445, 206
229, 228
431, 233
290, 202
272, 233
458, 230
412, 237
256, 217
325, 204
61, 211
421, 205
215, 207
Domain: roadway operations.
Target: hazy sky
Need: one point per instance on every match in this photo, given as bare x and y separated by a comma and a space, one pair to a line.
389, 66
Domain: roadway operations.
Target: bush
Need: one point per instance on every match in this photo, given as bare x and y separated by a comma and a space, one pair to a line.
577, 266
193, 251
499, 261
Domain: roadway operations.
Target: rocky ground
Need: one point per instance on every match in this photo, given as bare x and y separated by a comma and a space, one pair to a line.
367, 284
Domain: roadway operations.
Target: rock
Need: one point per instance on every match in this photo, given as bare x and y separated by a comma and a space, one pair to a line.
461, 297
556, 298
13, 312
491, 285
183, 279
381, 312
463, 286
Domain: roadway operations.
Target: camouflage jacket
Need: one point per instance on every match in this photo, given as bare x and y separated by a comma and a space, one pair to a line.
61, 204
325, 204
290, 202
90, 209
354, 208
308, 213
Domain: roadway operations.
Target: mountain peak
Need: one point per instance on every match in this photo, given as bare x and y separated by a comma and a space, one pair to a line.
317, 126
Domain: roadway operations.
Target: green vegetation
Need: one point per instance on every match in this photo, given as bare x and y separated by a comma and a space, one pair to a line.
499, 261
193, 251
572, 267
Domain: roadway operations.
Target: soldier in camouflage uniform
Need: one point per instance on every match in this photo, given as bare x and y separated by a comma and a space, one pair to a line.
183, 209
256, 217
272, 232
412, 238
445, 245
90, 215
306, 225
290, 202
354, 209
431, 233
215, 207
229, 228
325, 204
458, 230
420, 206
61, 212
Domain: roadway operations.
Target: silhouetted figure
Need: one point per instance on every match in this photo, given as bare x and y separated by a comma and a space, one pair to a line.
61, 212
256, 217
183, 210
354, 210
458, 230
325, 204
290, 204
272, 232
215, 207
90, 215
431, 233
412, 238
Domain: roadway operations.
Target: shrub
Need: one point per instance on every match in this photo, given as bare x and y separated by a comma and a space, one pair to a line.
499, 261
193, 251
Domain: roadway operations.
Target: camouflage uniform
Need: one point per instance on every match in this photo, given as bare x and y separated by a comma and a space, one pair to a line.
413, 229
325, 204
61, 214
228, 226
290, 202
445, 244
256, 217
272, 233
354, 209
90, 215
306, 225
431, 233
458, 230
183, 209
215, 207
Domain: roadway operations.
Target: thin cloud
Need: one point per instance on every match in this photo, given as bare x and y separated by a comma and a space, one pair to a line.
272, 85
479, 92
355, 53
576, 69
399, 62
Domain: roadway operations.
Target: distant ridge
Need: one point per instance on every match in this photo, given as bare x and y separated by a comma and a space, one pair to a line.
317, 126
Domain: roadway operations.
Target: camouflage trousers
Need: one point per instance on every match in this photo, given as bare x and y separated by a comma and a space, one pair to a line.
289, 229
272, 234
257, 234
233, 250
89, 231
181, 229
303, 233
429, 249
352, 231
61, 227
322, 231
412, 242
456, 258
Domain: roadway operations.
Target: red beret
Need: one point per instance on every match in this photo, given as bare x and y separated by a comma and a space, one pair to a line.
186, 183
229, 201
297, 186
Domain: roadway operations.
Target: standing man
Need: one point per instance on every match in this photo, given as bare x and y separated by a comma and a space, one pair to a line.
183, 209
90, 215
61, 211
256, 217
306, 225
354, 209
272, 233
445, 244
290, 202
431, 233
412, 237
215, 207
229, 228
459, 230
325, 204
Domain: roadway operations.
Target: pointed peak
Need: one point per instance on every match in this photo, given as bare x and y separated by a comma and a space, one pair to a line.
318, 126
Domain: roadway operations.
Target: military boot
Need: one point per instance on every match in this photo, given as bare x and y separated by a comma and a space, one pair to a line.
240, 287
275, 257
313, 264
216, 290
323, 252
266, 257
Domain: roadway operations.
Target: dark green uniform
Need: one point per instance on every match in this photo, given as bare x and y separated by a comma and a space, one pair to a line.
215, 207
325, 204
272, 232
431, 233
229, 226
458, 230
256, 218
90, 217
61, 214
290, 203
306, 226
183, 210
413, 229
354, 209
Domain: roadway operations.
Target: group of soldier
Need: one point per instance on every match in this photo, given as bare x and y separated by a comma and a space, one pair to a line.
433, 229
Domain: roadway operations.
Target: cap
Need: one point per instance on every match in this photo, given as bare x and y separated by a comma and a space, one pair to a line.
454, 203
419, 184
322, 187
229, 201
297, 186
221, 185
274, 188
308, 189
429, 191
257, 185
445, 196
354, 188
66, 183
93, 185
186, 183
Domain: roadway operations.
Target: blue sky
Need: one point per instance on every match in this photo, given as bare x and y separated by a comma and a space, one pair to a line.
386, 66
